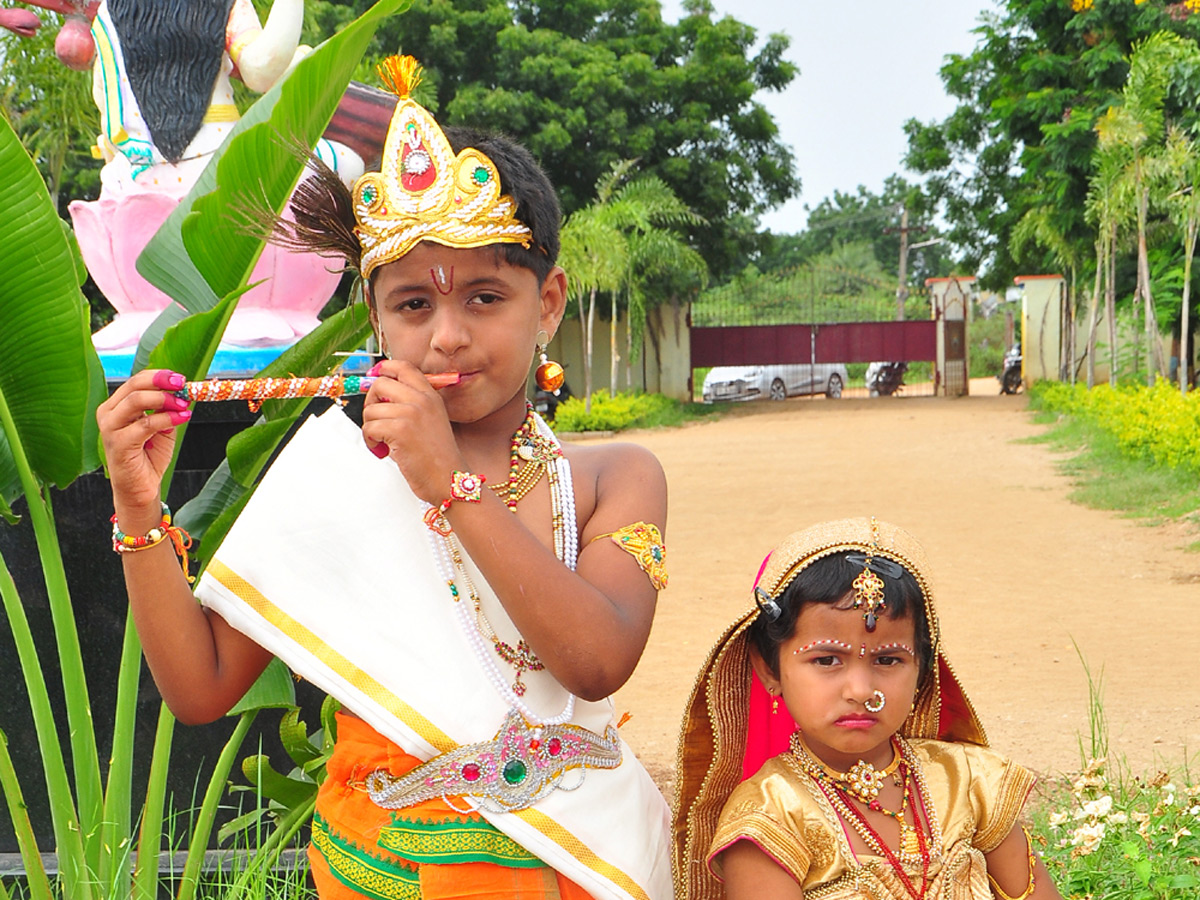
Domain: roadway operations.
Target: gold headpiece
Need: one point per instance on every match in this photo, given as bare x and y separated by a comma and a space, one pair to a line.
423, 191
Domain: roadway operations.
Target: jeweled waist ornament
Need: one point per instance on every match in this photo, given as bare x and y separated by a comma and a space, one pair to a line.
521, 765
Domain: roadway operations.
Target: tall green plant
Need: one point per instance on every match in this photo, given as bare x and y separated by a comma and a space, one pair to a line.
51, 383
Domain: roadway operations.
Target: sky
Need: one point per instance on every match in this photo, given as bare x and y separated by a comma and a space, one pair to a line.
866, 67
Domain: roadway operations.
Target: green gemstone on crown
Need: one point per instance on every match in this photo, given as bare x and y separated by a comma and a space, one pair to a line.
481, 175
368, 195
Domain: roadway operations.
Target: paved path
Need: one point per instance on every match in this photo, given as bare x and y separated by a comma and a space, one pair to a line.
1023, 574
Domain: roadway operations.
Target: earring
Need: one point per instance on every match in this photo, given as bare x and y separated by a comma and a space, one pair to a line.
876, 703
774, 704
549, 375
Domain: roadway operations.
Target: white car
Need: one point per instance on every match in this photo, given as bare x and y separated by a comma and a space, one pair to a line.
774, 382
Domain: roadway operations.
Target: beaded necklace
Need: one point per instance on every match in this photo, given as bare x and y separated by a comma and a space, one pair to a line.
837, 789
447, 556
530, 454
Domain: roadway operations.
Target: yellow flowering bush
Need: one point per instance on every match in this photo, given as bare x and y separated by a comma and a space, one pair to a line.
1156, 423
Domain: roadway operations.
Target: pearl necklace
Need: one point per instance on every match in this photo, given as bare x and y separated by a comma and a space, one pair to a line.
448, 558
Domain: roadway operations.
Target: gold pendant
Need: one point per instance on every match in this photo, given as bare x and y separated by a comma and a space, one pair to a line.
909, 844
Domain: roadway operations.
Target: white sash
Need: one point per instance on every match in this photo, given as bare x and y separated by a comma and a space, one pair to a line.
329, 567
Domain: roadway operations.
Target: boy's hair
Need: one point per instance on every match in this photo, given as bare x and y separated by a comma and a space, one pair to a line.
524, 180
828, 580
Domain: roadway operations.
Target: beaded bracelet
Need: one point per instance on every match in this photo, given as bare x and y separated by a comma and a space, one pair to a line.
164, 531
464, 487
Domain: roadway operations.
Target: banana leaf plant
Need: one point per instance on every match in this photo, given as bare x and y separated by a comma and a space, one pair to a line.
50, 385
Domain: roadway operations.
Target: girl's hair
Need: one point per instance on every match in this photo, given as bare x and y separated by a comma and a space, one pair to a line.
828, 581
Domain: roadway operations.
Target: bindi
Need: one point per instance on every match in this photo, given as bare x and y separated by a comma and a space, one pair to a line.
826, 642
443, 284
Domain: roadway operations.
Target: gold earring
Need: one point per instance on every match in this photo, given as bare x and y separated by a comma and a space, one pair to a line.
774, 704
549, 375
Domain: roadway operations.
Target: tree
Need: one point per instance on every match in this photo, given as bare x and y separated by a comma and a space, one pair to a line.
617, 243
587, 83
1022, 136
50, 107
867, 218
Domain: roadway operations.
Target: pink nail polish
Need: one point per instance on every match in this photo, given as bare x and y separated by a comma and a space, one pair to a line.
381, 450
178, 417
375, 370
166, 380
174, 404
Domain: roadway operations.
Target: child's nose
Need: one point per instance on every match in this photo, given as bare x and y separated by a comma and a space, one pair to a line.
450, 333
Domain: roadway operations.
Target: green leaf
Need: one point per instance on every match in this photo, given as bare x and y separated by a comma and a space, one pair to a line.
218, 256
249, 450
189, 345
37, 882
287, 792
274, 689
220, 491
240, 824
293, 733
46, 377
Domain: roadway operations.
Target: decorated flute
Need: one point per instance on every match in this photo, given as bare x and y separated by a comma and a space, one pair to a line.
256, 390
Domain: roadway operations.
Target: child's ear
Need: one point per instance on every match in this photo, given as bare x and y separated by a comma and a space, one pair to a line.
554, 300
768, 678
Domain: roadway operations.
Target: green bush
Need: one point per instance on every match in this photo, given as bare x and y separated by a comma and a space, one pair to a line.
1157, 424
615, 413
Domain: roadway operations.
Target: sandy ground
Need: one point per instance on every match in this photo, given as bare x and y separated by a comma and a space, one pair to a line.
1023, 574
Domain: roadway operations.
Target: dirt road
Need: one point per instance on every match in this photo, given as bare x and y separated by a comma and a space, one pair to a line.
1023, 575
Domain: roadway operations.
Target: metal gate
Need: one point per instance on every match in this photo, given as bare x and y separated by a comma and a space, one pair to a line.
821, 316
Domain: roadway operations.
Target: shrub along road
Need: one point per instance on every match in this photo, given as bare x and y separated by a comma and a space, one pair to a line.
1022, 574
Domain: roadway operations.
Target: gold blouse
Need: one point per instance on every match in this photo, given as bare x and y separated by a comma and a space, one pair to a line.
976, 794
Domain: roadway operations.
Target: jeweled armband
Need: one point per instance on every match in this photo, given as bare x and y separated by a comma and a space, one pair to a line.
643, 541
522, 764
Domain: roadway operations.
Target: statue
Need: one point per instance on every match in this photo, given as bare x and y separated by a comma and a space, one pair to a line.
162, 83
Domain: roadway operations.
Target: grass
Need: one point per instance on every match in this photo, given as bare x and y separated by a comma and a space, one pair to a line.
1107, 833
1106, 478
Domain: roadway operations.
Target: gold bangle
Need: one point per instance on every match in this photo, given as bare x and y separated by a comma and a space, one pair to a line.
1032, 863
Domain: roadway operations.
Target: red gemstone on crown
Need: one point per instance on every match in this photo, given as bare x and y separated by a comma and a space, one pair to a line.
471, 772
554, 746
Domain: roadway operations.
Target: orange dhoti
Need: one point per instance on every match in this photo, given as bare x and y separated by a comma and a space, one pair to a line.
427, 851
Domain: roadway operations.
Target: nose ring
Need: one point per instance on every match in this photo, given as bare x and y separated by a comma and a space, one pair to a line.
876, 703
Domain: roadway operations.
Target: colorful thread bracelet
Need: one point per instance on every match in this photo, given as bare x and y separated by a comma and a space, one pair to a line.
164, 531
465, 487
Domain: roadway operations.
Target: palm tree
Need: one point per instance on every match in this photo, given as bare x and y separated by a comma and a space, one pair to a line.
1138, 126
1183, 204
616, 243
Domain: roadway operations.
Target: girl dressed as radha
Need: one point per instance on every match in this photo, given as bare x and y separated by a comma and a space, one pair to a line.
828, 750
468, 587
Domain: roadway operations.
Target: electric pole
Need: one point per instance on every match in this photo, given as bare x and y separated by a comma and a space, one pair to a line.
902, 288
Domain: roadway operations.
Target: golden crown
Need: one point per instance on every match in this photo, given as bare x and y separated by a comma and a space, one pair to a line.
423, 191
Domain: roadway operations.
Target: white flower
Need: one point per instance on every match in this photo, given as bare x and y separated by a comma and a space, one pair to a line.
1057, 819
1118, 818
1182, 832
1194, 810
1087, 837
1098, 809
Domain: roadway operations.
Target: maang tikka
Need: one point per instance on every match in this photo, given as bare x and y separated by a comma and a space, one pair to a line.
549, 374
867, 585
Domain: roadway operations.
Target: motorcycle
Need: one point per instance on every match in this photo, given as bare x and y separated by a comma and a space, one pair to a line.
885, 378
1010, 374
